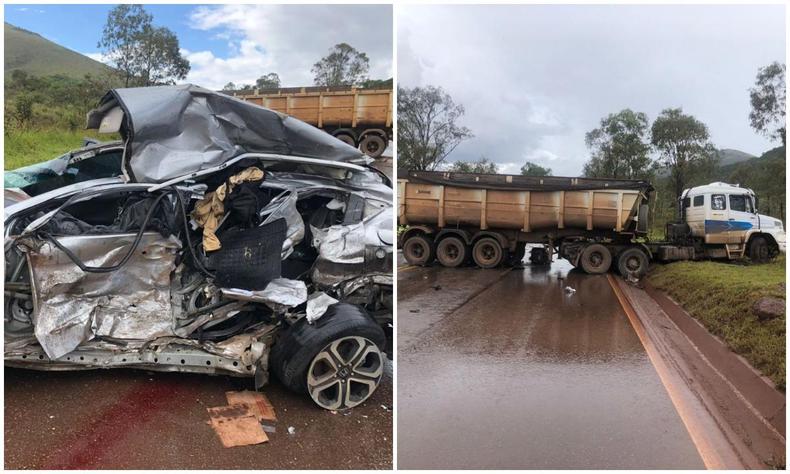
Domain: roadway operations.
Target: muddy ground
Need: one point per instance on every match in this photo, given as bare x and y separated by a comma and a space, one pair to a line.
508, 369
131, 419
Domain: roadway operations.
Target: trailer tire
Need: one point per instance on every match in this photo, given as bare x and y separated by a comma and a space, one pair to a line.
539, 256
298, 355
488, 253
347, 139
595, 259
373, 145
516, 258
419, 250
632, 261
759, 250
452, 252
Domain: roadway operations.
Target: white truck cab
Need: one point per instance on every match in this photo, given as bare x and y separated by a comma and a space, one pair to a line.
722, 213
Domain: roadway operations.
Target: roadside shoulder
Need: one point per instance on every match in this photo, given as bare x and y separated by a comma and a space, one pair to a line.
749, 410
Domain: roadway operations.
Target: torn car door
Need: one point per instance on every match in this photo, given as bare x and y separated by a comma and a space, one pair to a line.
72, 307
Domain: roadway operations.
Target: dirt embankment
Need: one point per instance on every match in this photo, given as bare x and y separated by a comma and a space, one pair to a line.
722, 296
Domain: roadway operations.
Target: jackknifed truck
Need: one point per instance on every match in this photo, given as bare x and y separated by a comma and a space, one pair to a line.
594, 223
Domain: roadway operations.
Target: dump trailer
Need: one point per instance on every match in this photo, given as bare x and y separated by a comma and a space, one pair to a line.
596, 224
360, 117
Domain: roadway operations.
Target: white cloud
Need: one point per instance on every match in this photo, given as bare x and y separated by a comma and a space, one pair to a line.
101, 57
535, 78
287, 40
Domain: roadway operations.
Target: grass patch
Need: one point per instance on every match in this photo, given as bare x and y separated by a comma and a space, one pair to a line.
721, 295
25, 147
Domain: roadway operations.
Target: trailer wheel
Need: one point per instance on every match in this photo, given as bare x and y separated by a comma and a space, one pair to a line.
347, 139
373, 145
337, 360
487, 253
759, 251
419, 250
515, 258
633, 262
451, 252
595, 259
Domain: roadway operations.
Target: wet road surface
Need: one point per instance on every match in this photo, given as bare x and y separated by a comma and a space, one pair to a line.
506, 369
131, 419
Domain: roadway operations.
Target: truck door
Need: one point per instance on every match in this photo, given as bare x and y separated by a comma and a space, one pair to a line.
741, 218
716, 223
695, 214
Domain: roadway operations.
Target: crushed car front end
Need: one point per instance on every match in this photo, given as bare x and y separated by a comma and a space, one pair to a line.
258, 262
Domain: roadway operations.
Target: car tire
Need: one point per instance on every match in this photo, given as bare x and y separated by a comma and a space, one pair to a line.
759, 250
419, 250
488, 253
373, 145
633, 262
595, 259
452, 252
323, 352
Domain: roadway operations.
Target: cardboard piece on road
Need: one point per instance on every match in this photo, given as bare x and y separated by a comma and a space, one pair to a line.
257, 402
236, 425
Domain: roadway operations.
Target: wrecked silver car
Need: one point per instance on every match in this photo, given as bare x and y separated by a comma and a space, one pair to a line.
227, 239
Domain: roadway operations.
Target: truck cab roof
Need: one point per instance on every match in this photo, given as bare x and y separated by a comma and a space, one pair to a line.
716, 187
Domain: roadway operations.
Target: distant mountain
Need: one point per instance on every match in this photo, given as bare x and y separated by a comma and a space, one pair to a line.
35, 55
729, 156
754, 167
765, 175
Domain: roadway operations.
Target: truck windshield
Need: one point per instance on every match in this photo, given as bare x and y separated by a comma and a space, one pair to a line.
741, 202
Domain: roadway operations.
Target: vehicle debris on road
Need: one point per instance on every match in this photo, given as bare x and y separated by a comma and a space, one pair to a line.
236, 425
239, 423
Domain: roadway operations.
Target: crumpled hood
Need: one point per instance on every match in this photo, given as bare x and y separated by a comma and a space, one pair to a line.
172, 131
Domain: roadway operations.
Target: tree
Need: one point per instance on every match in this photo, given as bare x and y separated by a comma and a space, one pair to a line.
683, 143
427, 129
229, 87
377, 84
125, 24
23, 108
143, 54
159, 59
768, 102
619, 147
532, 169
268, 81
482, 165
343, 66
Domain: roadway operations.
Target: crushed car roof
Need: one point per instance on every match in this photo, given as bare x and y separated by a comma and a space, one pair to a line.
172, 131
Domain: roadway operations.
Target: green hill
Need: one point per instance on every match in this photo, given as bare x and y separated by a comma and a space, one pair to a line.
730, 157
35, 55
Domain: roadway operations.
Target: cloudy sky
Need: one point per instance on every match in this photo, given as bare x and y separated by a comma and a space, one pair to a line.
237, 43
534, 79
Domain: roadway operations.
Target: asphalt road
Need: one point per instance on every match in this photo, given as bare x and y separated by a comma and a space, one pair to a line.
131, 419
507, 369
